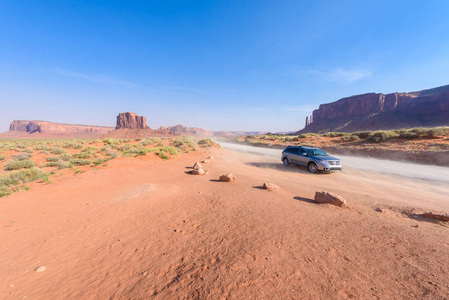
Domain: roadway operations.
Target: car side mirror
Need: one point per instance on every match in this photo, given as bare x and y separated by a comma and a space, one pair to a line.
305, 154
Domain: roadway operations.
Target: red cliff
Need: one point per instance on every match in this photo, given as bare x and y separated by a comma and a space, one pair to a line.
382, 111
23, 128
131, 121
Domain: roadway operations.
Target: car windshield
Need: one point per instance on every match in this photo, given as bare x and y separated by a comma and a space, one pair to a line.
316, 152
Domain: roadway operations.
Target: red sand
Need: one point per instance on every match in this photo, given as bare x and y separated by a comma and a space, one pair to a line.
143, 228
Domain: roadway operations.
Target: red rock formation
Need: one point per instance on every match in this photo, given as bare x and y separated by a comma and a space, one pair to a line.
131, 121
57, 129
190, 130
379, 111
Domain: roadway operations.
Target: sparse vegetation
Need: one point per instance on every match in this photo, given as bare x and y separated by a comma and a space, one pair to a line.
20, 164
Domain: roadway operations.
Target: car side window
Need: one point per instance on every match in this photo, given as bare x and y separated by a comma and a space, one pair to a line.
301, 152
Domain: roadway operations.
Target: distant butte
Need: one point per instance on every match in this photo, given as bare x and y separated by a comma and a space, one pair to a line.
131, 121
427, 108
45, 129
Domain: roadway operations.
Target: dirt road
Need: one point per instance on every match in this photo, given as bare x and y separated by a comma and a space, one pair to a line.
146, 229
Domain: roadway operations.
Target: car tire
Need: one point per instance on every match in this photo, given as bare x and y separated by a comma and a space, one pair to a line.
312, 167
286, 163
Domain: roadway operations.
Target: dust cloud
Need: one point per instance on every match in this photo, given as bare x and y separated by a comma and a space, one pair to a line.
413, 171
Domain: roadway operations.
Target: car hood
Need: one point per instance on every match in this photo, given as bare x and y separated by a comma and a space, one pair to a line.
325, 157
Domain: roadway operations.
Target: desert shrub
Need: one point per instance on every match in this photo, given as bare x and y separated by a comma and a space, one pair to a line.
65, 157
172, 150
112, 153
46, 178
39, 147
89, 148
147, 142
363, 134
178, 142
142, 152
21, 156
335, 134
19, 177
354, 137
19, 164
208, 143
382, 136
81, 162
111, 141
4, 191
28, 150
100, 161
73, 145
57, 150
162, 154
2, 157
52, 158
51, 164
82, 155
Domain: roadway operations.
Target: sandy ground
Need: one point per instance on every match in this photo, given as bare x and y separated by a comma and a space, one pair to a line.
144, 228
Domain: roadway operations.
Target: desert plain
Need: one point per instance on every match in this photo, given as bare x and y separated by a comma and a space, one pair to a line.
140, 226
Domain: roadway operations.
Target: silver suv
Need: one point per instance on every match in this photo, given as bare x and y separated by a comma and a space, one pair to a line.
314, 159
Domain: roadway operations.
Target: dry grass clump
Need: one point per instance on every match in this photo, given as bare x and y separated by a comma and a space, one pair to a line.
57, 150
19, 164
185, 143
8, 182
81, 162
208, 143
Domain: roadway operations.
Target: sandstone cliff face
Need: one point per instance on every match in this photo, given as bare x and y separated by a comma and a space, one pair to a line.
382, 111
190, 130
57, 129
131, 121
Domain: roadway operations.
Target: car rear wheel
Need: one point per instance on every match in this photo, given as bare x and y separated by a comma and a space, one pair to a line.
312, 167
286, 163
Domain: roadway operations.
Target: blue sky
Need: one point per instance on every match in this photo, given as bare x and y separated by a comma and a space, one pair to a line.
220, 65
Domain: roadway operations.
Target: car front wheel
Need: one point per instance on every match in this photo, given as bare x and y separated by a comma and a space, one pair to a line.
286, 163
313, 168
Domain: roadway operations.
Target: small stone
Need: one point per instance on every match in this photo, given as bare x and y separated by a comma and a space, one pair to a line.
206, 161
197, 165
40, 269
380, 210
271, 186
198, 171
437, 216
228, 177
330, 198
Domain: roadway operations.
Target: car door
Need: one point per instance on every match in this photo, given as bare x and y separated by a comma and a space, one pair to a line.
294, 157
302, 157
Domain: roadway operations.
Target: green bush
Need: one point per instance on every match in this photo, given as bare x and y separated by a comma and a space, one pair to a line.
19, 164
52, 158
111, 141
81, 162
65, 157
22, 156
363, 134
2, 157
82, 155
208, 143
172, 150
57, 151
382, 136
73, 145
100, 161
16, 178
